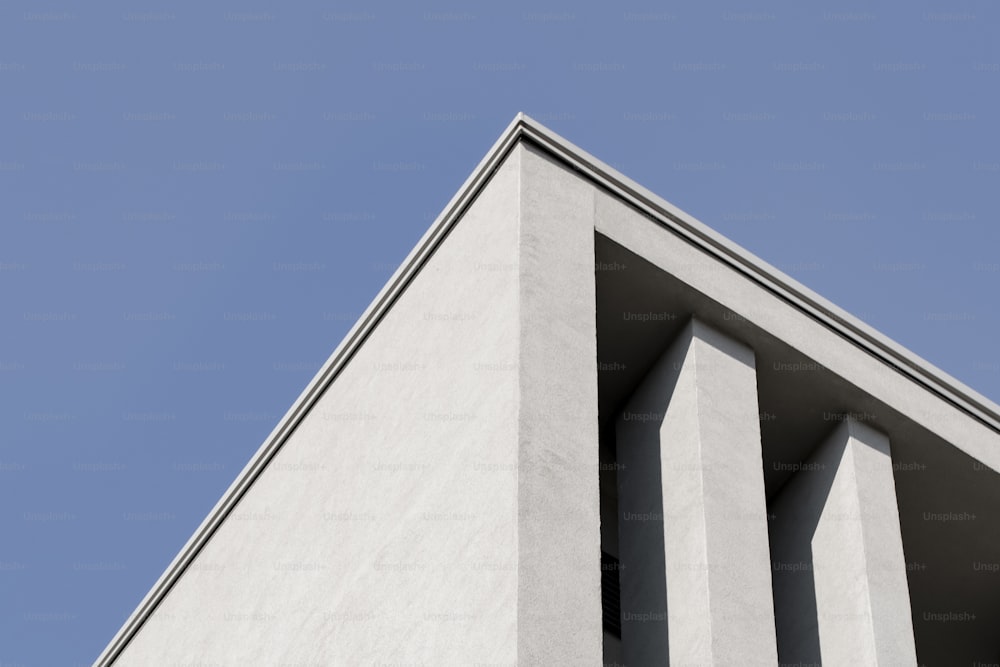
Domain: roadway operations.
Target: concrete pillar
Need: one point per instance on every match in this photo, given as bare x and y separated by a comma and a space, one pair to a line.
559, 535
693, 525
840, 590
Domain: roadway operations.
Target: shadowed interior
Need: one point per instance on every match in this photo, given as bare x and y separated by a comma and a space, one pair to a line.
948, 503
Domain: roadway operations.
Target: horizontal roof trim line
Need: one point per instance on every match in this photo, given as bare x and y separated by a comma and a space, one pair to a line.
523, 127
844, 324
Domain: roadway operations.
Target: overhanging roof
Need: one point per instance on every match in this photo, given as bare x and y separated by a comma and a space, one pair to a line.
523, 128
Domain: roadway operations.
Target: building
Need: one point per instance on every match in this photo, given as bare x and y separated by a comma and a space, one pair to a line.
577, 423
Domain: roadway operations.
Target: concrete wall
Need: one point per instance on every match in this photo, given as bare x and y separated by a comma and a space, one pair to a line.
385, 529
559, 616
439, 504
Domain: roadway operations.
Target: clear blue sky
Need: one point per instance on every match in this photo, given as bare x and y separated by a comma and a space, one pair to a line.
198, 199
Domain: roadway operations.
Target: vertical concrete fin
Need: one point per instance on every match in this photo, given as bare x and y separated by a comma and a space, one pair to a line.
641, 529
559, 574
694, 419
840, 587
885, 562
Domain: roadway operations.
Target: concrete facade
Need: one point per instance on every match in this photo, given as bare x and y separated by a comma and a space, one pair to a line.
466, 481
371, 531
559, 594
694, 421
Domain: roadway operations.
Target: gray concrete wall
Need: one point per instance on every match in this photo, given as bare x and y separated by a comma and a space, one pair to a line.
439, 504
559, 617
386, 528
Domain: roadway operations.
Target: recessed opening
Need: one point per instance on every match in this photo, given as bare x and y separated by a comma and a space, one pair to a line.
952, 559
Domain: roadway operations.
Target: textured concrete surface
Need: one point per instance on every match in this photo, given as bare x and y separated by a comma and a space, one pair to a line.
840, 588
694, 418
386, 528
439, 504
559, 588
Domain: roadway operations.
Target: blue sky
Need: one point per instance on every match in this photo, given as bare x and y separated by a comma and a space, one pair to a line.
198, 199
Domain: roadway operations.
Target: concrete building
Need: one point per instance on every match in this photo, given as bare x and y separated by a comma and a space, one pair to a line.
577, 424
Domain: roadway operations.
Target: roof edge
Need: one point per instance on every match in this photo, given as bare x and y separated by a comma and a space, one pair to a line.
522, 127
826, 312
355, 337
